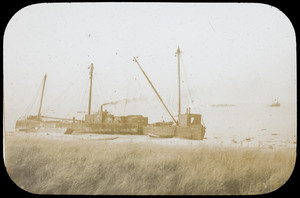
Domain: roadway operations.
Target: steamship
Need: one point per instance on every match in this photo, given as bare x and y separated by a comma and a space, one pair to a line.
188, 125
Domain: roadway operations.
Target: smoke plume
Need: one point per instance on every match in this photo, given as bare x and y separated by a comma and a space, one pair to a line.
126, 100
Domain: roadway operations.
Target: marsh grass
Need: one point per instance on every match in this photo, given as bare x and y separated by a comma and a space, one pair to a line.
46, 166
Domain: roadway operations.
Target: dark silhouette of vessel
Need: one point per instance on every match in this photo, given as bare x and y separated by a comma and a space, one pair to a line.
187, 126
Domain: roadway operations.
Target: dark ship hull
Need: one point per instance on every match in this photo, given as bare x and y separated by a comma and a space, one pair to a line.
186, 129
27, 125
120, 129
103, 122
37, 125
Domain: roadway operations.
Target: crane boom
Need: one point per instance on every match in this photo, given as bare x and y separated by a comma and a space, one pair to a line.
155, 91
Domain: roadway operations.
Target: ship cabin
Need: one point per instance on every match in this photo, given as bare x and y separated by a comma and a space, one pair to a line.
102, 117
190, 126
99, 117
188, 119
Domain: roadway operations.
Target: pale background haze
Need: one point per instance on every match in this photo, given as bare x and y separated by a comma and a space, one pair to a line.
240, 54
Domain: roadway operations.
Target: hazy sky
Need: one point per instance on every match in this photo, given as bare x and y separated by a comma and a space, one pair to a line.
232, 53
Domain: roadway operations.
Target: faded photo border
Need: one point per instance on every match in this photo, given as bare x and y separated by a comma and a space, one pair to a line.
12, 8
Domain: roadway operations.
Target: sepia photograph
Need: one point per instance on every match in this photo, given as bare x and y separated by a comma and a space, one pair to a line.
149, 99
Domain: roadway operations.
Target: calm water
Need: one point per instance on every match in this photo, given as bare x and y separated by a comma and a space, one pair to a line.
252, 121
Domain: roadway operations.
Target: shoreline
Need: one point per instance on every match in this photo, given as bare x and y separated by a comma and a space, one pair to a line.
235, 142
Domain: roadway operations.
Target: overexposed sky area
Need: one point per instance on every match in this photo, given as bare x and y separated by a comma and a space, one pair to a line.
233, 53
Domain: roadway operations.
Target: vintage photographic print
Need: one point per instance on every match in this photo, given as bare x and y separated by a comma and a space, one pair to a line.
149, 98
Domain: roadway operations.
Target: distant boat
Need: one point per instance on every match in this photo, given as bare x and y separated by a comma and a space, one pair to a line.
275, 103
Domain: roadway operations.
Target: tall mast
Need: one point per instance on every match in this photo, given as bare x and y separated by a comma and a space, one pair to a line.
91, 83
155, 90
179, 99
40, 108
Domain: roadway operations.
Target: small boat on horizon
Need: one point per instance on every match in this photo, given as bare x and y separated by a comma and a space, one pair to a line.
275, 103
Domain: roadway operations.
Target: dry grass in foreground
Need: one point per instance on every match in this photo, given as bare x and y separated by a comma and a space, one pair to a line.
46, 166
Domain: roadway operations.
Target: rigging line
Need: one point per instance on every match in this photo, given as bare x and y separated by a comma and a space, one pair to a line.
128, 88
65, 92
73, 104
187, 81
138, 90
68, 97
98, 95
83, 93
197, 108
106, 96
37, 96
95, 100
71, 111
65, 98
99, 86
34, 100
101, 89
95, 94
133, 91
